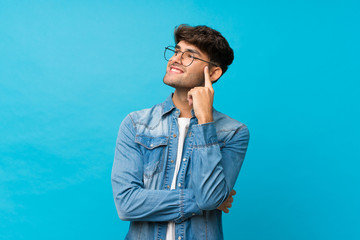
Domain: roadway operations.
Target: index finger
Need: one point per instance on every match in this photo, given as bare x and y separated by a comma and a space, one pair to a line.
208, 83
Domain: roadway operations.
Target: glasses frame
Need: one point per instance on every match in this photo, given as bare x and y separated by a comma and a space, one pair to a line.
173, 49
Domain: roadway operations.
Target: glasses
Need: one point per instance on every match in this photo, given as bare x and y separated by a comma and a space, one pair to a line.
186, 58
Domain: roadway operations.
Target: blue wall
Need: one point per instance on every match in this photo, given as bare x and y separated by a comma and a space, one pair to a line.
70, 71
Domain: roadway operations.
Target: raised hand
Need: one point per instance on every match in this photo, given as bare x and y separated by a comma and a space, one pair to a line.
202, 98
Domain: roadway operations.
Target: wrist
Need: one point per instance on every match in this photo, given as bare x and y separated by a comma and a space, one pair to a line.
206, 119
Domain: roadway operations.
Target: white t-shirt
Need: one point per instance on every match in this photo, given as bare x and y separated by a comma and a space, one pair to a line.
183, 127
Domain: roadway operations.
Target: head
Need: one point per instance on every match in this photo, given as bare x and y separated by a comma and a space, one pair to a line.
205, 44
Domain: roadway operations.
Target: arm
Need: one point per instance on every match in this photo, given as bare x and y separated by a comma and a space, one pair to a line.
217, 169
133, 202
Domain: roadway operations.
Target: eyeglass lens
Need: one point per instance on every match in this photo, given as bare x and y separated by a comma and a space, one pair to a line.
186, 57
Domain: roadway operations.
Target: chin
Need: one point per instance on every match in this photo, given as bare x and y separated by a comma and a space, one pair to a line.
169, 82
171, 78
179, 82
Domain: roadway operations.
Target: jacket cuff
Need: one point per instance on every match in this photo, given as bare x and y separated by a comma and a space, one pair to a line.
188, 205
204, 134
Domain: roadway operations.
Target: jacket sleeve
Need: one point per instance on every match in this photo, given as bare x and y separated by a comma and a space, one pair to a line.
135, 203
216, 169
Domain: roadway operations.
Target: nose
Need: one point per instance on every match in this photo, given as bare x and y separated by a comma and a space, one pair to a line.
176, 58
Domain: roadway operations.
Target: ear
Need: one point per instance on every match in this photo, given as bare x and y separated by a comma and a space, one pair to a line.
215, 73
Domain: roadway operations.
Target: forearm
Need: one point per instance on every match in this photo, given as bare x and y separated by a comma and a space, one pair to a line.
216, 169
138, 204
209, 182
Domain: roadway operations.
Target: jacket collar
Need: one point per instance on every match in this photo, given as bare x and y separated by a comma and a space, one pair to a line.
169, 105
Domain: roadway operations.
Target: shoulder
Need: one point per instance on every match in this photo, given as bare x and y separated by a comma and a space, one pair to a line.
148, 117
225, 123
226, 126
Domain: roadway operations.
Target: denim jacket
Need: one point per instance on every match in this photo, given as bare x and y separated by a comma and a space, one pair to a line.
143, 168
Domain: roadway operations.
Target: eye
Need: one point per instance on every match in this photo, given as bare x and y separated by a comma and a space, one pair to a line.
189, 55
176, 52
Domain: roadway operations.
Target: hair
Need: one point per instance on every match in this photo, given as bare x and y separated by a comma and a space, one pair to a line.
209, 41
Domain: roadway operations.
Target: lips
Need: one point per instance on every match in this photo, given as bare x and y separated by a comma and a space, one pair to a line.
176, 69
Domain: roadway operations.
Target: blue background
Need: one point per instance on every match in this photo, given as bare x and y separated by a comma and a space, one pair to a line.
70, 71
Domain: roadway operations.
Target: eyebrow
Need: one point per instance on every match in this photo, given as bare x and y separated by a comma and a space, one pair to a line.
188, 49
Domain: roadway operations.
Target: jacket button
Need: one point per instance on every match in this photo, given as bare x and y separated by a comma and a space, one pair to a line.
174, 135
179, 185
179, 238
172, 161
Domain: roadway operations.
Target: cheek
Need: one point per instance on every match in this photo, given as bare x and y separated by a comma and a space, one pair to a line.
196, 79
199, 75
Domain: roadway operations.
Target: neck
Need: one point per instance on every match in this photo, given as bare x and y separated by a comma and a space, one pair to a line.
180, 101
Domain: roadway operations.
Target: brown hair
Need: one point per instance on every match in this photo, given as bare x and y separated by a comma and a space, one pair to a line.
208, 40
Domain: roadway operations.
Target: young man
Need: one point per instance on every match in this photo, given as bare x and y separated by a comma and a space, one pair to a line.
176, 163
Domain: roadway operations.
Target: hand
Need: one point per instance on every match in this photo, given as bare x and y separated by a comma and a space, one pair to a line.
202, 99
228, 202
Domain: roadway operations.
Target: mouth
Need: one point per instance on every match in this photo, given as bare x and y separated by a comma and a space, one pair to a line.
176, 70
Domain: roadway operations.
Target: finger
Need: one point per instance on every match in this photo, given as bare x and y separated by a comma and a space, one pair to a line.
226, 210
208, 83
189, 98
231, 200
233, 192
190, 101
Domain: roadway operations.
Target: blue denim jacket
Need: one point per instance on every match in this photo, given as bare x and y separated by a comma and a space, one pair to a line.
144, 164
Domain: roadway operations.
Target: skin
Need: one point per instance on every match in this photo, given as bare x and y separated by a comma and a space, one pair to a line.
228, 202
193, 90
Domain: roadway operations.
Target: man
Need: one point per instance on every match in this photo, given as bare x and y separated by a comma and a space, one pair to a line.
176, 163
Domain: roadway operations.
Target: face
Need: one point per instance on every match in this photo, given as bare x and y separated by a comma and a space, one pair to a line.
179, 76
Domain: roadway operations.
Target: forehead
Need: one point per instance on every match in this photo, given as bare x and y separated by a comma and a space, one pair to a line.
185, 46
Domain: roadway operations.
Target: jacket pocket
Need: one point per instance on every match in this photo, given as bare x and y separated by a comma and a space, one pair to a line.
154, 151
